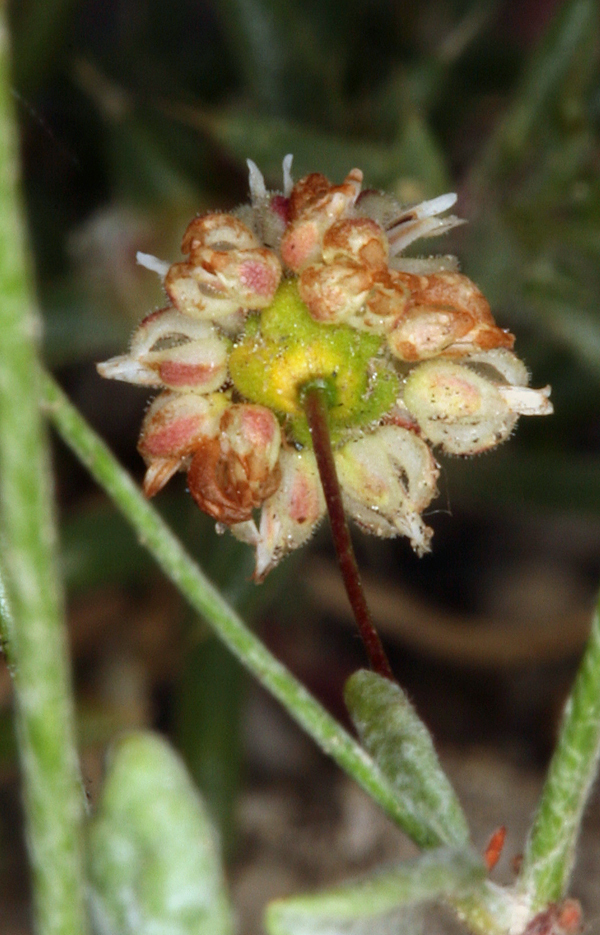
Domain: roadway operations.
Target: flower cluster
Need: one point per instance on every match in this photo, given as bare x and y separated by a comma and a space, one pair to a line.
308, 287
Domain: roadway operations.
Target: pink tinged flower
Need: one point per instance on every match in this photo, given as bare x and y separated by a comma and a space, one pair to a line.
228, 269
232, 474
388, 478
174, 426
465, 412
171, 350
288, 518
314, 206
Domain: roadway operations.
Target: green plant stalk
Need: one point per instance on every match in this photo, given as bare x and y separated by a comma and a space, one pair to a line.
550, 851
33, 627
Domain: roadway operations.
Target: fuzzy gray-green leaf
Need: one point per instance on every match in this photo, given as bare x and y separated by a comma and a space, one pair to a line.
153, 861
403, 749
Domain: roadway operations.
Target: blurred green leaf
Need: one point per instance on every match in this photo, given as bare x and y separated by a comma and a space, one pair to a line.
210, 692
99, 546
357, 905
246, 135
403, 749
40, 29
278, 51
569, 37
153, 862
546, 480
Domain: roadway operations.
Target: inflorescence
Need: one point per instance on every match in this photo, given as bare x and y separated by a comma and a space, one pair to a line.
308, 288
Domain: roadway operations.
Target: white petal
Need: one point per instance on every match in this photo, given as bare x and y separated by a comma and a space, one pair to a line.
427, 209
425, 266
258, 190
527, 402
406, 231
129, 370
288, 182
246, 532
152, 263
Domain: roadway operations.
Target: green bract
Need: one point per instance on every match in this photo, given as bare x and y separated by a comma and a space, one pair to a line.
284, 349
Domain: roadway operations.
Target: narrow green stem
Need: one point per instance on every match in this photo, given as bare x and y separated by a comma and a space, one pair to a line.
550, 851
203, 596
30, 601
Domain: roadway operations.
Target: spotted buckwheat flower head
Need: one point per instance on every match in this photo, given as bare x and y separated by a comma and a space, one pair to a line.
309, 287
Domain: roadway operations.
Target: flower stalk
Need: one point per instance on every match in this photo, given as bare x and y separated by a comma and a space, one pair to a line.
315, 407
33, 628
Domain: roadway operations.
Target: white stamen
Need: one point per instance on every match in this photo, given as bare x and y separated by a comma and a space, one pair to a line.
258, 190
153, 263
288, 182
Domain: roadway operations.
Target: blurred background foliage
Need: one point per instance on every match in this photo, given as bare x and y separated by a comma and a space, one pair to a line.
135, 115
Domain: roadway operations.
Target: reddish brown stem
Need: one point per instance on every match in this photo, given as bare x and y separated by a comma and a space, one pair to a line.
315, 407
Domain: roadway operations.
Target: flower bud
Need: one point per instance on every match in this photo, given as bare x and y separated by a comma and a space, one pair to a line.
457, 408
314, 206
228, 269
220, 232
358, 239
334, 293
447, 314
388, 478
426, 332
291, 515
225, 282
168, 349
232, 474
174, 426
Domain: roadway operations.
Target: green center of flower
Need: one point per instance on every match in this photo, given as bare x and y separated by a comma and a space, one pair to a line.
283, 350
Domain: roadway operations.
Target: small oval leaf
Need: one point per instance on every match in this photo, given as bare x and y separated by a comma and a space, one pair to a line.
403, 749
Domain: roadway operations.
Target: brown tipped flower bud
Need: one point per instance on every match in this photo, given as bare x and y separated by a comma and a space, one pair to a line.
358, 239
306, 192
447, 314
228, 269
301, 243
231, 475
334, 293
426, 332
221, 232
